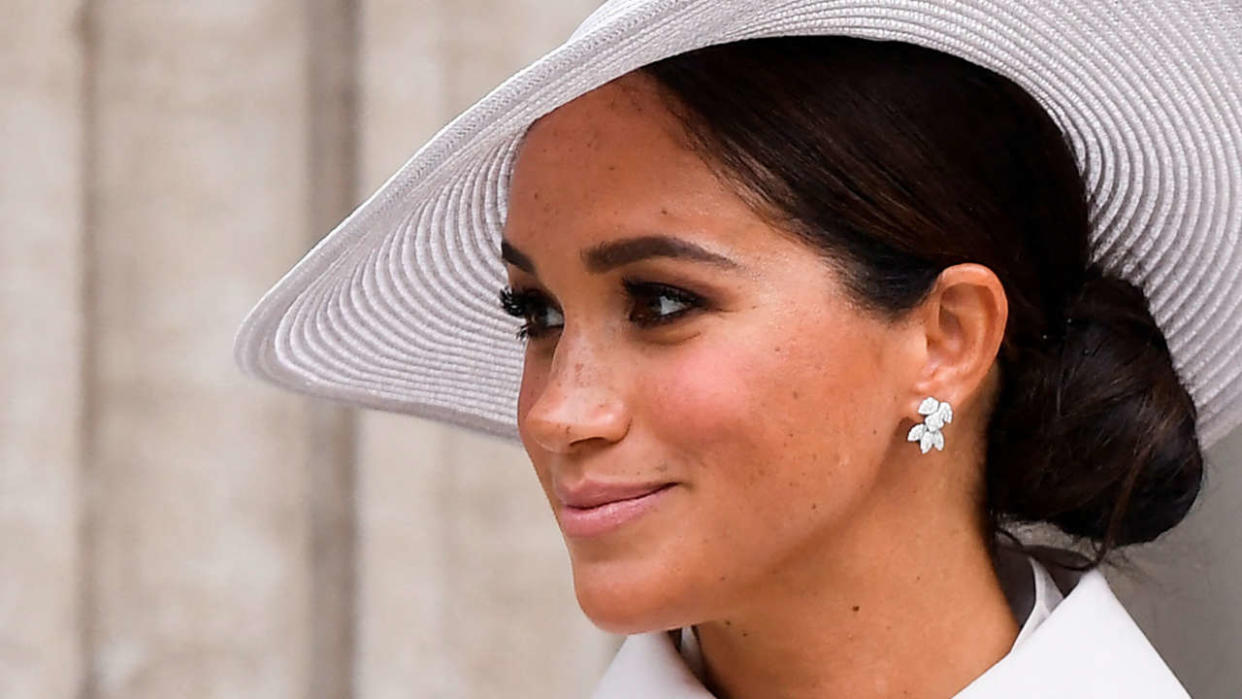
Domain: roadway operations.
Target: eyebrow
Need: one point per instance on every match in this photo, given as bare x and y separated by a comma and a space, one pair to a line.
605, 256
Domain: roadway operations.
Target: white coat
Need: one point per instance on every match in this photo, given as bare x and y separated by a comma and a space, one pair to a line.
1077, 641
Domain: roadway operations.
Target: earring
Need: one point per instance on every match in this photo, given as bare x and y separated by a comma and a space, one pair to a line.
927, 433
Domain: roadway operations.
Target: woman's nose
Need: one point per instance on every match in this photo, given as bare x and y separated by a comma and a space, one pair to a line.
579, 401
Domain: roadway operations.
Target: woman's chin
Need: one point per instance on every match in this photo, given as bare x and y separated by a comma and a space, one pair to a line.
624, 619
625, 606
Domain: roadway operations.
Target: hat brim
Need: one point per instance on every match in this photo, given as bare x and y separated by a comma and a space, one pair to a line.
396, 309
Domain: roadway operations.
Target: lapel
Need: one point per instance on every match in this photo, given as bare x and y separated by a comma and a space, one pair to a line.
1087, 646
649, 666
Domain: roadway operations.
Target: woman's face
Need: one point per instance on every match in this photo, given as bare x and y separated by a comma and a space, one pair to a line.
679, 341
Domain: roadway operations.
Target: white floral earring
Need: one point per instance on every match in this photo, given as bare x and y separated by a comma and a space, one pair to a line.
927, 433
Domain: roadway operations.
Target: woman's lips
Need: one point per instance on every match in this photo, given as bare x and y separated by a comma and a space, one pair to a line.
604, 517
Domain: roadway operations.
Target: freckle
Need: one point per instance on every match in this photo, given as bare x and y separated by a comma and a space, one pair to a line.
728, 623
536, 196
611, 168
722, 578
664, 211
778, 348
856, 607
745, 634
795, 395
814, 506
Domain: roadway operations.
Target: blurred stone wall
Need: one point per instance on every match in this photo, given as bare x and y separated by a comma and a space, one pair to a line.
169, 528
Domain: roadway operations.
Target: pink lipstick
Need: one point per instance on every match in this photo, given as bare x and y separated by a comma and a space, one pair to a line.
593, 509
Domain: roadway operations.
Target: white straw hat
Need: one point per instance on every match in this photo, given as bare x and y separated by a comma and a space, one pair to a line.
397, 308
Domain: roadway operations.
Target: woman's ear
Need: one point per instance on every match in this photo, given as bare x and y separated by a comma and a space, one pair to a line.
963, 321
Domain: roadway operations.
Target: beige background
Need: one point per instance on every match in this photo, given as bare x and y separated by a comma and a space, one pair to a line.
169, 528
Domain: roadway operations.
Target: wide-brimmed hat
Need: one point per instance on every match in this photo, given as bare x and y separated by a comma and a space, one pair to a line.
396, 308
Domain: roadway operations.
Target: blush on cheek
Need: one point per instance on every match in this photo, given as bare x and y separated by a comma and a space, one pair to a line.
801, 401
703, 395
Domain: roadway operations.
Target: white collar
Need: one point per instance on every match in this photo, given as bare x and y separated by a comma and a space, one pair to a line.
1077, 641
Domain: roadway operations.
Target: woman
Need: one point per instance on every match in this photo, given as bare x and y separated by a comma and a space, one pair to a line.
806, 320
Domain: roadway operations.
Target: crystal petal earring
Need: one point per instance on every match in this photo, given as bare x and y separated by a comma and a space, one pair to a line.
937, 414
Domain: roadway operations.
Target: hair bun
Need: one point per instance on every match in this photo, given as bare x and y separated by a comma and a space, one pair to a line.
1096, 433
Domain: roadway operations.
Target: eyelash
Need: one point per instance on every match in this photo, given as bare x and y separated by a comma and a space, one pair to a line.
520, 303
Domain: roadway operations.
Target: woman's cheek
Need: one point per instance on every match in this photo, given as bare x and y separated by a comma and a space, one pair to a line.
702, 395
533, 377
781, 414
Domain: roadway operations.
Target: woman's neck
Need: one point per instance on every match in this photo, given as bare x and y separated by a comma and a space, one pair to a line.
870, 615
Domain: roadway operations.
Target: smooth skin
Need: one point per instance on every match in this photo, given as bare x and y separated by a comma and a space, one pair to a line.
817, 552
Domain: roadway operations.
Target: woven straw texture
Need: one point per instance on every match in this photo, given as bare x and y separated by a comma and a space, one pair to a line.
396, 309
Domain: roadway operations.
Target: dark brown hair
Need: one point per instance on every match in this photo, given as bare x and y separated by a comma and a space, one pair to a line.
896, 161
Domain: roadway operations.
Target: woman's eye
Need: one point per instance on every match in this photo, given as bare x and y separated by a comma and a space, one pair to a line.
533, 307
657, 303
650, 304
